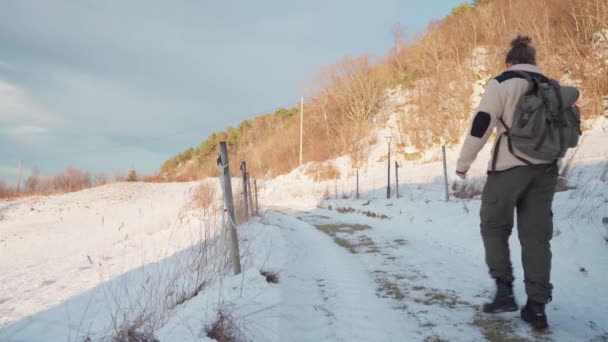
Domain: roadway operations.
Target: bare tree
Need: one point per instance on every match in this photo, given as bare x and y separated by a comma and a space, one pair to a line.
32, 183
355, 88
101, 179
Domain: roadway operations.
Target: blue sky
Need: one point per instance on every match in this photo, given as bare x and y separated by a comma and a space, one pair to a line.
106, 85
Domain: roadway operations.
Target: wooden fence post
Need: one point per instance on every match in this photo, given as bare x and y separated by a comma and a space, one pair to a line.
245, 200
445, 174
229, 207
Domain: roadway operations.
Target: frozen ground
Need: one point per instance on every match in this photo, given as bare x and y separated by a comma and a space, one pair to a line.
368, 269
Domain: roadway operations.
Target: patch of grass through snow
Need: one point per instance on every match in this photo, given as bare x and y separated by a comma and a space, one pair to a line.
388, 289
363, 244
497, 330
446, 299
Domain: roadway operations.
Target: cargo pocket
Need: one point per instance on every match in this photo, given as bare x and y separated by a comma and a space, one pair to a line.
487, 213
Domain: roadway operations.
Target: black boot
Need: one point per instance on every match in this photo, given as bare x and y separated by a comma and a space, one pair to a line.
534, 313
504, 301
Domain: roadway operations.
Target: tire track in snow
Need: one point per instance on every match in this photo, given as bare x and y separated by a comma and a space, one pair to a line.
330, 296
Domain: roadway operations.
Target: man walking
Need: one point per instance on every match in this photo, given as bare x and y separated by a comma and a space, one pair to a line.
515, 181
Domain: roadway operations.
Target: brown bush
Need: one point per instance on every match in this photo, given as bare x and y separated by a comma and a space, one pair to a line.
322, 172
101, 179
205, 195
72, 179
6, 191
271, 277
225, 328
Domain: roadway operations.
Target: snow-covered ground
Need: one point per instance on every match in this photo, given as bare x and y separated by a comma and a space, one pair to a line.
369, 269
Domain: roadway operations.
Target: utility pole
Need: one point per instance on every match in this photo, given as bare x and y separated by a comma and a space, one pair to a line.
301, 126
389, 139
19, 177
229, 207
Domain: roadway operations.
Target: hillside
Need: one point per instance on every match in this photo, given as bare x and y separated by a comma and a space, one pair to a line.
431, 83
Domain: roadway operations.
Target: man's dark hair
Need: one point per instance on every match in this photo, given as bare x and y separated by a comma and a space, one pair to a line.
521, 51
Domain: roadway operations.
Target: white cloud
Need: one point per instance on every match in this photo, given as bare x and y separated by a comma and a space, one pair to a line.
17, 108
26, 130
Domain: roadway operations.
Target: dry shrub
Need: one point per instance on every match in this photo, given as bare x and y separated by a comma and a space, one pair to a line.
6, 191
322, 172
368, 213
271, 277
72, 179
101, 179
205, 195
224, 329
345, 210
131, 333
348, 97
372, 214
169, 282
240, 204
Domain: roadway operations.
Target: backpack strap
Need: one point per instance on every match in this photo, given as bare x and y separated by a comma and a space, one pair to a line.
563, 119
532, 82
507, 133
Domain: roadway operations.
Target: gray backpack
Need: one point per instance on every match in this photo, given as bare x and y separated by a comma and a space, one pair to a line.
546, 121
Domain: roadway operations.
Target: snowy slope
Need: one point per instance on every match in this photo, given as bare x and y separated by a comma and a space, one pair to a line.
55, 248
78, 265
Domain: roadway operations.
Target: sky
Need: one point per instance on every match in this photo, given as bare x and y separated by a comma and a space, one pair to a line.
109, 85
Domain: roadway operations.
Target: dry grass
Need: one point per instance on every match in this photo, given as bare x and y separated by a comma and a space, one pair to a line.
368, 213
131, 333
240, 204
225, 328
169, 283
205, 195
271, 277
322, 172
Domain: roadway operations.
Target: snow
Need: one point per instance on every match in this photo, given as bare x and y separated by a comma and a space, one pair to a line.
77, 266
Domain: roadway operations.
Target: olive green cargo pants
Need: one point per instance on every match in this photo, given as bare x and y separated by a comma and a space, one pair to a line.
530, 190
